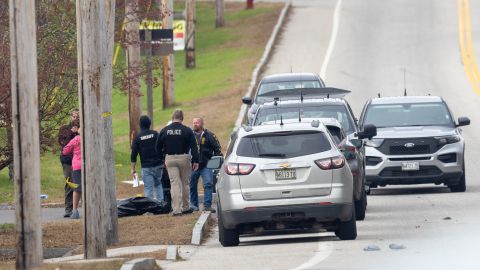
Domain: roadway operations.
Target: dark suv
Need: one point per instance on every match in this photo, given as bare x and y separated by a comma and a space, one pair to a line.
279, 84
336, 108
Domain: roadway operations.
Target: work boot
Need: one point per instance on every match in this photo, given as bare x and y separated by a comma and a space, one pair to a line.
209, 209
189, 211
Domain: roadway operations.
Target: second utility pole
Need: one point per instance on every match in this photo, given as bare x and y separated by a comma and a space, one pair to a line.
190, 42
168, 61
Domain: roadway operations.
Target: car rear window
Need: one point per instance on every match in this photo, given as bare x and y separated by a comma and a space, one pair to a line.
274, 86
283, 145
339, 112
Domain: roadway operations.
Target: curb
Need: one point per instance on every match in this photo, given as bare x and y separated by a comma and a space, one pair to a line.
199, 228
261, 64
140, 264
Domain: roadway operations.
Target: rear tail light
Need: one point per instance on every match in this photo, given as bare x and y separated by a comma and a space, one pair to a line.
239, 168
330, 163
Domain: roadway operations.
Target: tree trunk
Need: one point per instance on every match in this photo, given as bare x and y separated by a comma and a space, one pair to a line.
26, 137
249, 4
168, 61
93, 54
190, 46
111, 198
133, 60
220, 10
10, 143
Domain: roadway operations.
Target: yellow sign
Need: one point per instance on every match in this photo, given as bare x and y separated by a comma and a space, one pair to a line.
178, 25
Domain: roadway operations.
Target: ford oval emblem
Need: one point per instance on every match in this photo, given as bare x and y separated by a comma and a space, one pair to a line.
409, 145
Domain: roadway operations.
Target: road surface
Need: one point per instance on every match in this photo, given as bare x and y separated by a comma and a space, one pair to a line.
364, 46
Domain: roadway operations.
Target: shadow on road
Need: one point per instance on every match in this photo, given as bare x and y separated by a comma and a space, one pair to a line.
414, 190
287, 237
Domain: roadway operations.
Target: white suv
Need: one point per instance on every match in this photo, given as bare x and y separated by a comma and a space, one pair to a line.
284, 176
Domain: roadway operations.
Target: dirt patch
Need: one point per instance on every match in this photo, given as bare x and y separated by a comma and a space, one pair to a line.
125, 191
133, 231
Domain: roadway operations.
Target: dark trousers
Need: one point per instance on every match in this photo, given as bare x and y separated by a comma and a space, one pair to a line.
67, 173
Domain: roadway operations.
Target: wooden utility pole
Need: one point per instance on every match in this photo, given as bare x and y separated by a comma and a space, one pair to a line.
132, 23
190, 42
149, 77
26, 137
249, 4
168, 61
94, 22
109, 165
219, 13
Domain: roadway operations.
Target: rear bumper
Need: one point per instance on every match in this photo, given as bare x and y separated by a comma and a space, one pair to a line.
321, 213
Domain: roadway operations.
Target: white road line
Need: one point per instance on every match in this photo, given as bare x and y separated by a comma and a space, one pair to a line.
333, 39
323, 252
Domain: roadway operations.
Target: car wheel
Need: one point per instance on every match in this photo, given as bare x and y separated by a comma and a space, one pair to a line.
361, 206
347, 230
227, 237
461, 186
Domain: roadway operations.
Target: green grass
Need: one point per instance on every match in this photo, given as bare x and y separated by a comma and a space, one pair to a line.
7, 227
216, 56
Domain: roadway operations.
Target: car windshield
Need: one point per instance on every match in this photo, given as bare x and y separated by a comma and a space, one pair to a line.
410, 114
338, 112
274, 86
283, 145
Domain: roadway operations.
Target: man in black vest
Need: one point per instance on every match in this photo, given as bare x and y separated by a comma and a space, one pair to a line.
178, 144
208, 146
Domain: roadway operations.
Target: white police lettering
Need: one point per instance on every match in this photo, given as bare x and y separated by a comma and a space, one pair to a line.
146, 137
174, 132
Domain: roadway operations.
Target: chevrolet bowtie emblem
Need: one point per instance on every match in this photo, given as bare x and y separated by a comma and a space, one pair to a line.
284, 165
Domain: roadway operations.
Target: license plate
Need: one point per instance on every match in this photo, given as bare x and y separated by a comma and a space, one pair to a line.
285, 174
410, 166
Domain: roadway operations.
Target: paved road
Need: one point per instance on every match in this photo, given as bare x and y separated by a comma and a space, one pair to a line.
376, 39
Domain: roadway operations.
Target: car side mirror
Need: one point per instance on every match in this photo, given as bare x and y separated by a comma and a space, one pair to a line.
215, 163
369, 131
463, 121
358, 143
247, 100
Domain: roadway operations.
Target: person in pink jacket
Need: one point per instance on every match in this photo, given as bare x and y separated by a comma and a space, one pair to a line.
75, 147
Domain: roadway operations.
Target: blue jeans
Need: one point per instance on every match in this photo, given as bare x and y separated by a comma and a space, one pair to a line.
152, 178
207, 179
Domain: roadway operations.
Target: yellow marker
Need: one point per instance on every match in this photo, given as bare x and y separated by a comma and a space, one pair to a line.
106, 114
71, 184
466, 48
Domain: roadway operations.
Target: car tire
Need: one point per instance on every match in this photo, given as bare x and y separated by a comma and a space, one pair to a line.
347, 230
461, 186
361, 206
227, 237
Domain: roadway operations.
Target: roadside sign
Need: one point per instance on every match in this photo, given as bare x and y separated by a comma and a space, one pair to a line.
160, 35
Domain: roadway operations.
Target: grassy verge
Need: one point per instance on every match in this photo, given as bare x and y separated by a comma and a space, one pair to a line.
225, 59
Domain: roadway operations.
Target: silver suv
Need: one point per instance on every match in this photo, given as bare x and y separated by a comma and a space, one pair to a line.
284, 176
417, 142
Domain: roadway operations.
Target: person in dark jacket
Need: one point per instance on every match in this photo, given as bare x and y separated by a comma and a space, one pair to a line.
151, 162
65, 135
177, 142
208, 146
